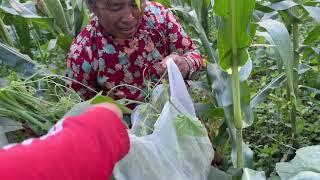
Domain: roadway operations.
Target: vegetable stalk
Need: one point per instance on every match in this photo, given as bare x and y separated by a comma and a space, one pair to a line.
295, 39
236, 86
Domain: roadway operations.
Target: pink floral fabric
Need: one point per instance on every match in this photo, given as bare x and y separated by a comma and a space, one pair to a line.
97, 61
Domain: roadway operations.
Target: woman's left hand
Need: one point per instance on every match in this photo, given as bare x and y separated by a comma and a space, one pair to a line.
180, 61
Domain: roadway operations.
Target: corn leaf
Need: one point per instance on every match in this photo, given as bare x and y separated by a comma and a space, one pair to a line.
243, 28
56, 11
281, 39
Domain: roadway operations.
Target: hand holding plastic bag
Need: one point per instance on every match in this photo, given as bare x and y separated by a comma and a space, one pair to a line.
178, 148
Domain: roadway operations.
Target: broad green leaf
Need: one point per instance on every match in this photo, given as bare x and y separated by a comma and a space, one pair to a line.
64, 42
222, 138
79, 17
313, 36
311, 54
243, 14
43, 23
281, 39
306, 159
23, 30
105, 99
189, 126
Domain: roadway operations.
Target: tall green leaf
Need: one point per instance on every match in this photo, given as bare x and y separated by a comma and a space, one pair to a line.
281, 39
244, 10
23, 30
313, 12
191, 16
4, 34
56, 11
222, 88
189, 126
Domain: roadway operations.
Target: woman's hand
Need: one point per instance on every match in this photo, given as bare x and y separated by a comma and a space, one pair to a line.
180, 61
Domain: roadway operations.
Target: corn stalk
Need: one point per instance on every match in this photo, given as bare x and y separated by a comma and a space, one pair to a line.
236, 86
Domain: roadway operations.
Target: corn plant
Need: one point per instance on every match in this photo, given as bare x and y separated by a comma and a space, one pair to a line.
234, 37
26, 26
292, 14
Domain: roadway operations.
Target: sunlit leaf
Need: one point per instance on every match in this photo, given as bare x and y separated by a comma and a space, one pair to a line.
187, 125
244, 10
105, 99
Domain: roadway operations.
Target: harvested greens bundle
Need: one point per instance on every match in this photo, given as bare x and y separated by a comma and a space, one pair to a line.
38, 104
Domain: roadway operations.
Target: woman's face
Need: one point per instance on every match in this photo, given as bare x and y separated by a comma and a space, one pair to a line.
120, 18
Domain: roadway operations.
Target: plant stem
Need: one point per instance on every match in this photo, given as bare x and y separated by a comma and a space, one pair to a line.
236, 86
4, 34
295, 39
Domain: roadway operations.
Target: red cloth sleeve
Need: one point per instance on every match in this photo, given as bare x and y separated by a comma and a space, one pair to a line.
82, 67
179, 42
79, 147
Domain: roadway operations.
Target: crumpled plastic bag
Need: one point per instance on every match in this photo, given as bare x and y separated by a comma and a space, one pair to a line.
177, 149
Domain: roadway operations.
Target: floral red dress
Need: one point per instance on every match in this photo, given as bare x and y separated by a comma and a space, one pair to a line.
97, 61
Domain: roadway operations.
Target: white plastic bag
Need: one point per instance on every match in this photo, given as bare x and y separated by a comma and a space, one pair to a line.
170, 152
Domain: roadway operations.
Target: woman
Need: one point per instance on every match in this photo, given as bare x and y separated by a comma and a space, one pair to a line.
123, 46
